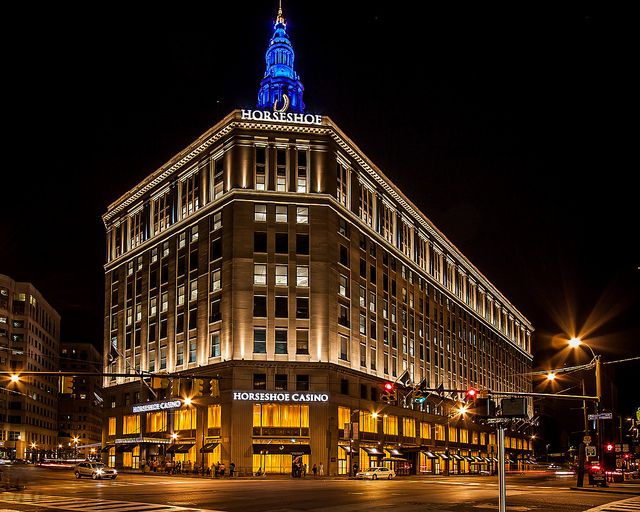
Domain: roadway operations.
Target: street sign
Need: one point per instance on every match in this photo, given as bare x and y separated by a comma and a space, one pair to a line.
586, 439
590, 451
601, 416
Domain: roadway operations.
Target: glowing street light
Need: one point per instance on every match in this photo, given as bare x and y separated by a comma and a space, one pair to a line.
15, 378
551, 376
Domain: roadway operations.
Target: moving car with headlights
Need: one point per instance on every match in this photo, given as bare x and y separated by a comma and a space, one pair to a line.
376, 473
96, 470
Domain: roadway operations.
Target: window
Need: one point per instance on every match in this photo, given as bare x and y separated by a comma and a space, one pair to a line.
363, 354
179, 354
162, 212
260, 213
281, 341
344, 256
281, 213
302, 341
281, 275
342, 188
282, 306
372, 302
343, 228
259, 273
182, 240
164, 302
302, 215
302, 307
280, 382
343, 315
216, 221
218, 177
363, 297
214, 311
302, 276
259, 241
259, 341
363, 325
301, 184
259, 306
343, 285
192, 349
302, 244
302, 383
281, 169
259, 381
216, 282
153, 308
194, 234
344, 348
282, 243
214, 350
261, 168
154, 255
193, 290
387, 223
366, 205
190, 194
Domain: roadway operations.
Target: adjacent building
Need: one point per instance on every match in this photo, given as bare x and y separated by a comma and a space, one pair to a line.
272, 278
80, 401
29, 341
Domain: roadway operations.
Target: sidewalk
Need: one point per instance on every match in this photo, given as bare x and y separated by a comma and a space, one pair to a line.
632, 488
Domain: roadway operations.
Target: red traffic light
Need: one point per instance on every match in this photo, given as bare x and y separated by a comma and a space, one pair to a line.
609, 447
388, 387
472, 394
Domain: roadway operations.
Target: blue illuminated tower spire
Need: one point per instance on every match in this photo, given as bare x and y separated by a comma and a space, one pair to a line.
281, 88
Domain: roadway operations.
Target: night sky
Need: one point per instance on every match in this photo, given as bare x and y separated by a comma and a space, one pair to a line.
510, 129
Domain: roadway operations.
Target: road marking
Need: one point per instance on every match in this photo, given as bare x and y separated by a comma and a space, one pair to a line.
628, 505
83, 504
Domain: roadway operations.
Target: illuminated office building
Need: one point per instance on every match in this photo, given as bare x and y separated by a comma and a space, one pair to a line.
29, 341
272, 256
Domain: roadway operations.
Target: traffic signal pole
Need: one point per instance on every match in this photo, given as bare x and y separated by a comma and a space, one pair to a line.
502, 480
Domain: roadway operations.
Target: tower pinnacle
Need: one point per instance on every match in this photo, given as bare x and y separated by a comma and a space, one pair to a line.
280, 88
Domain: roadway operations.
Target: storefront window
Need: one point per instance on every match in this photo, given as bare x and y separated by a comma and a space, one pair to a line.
344, 416
408, 427
112, 457
425, 430
112, 426
390, 425
213, 416
131, 424
439, 432
157, 421
367, 422
184, 419
280, 415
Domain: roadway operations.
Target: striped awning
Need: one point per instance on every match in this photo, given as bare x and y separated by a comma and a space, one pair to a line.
429, 454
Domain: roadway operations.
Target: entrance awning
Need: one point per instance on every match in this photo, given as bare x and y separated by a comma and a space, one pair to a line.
480, 459
209, 447
429, 454
395, 453
456, 456
128, 447
346, 448
180, 448
469, 458
372, 451
443, 456
289, 449
107, 447
493, 459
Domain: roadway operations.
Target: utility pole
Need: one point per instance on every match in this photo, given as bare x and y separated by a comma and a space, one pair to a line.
502, 481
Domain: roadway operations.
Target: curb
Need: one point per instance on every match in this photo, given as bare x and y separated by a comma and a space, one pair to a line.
608, 490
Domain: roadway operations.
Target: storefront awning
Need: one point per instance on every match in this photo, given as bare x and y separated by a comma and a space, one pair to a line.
395, 453
493, 459
345, 447
469, 458
107, 447
481, 459
180, 448
290, 449
456, 456
372, 451
429, 454
125, 447
209, 447
443, 456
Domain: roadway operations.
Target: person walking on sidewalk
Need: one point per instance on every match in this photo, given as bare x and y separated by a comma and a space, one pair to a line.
321, 469
314, 470
232, 469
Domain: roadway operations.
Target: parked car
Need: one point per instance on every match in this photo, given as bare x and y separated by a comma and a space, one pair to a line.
376, 473
95, 470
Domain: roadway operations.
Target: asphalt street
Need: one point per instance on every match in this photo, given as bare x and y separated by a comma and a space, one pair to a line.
58, 490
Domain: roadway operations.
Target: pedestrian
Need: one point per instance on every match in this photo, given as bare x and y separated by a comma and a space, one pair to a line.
143, 463
217, 469
314, 470
304, 470
222, 468
321, 469
232, 469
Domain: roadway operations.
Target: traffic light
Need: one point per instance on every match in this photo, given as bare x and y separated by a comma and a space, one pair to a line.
471, 395
214, 388
196, 389
389, 394
609, 447
483, 407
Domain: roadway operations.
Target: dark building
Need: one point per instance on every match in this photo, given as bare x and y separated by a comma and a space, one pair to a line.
275, 268
29, 340
80, 402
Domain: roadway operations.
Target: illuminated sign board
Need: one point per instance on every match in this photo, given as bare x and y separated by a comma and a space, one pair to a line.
283, 396
285, 117
157, 406
151, 440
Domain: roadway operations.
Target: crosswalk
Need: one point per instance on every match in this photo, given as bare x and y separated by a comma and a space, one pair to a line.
95, 505
628, 505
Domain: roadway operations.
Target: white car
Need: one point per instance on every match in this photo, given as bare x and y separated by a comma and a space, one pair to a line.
375, 473
95, 470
